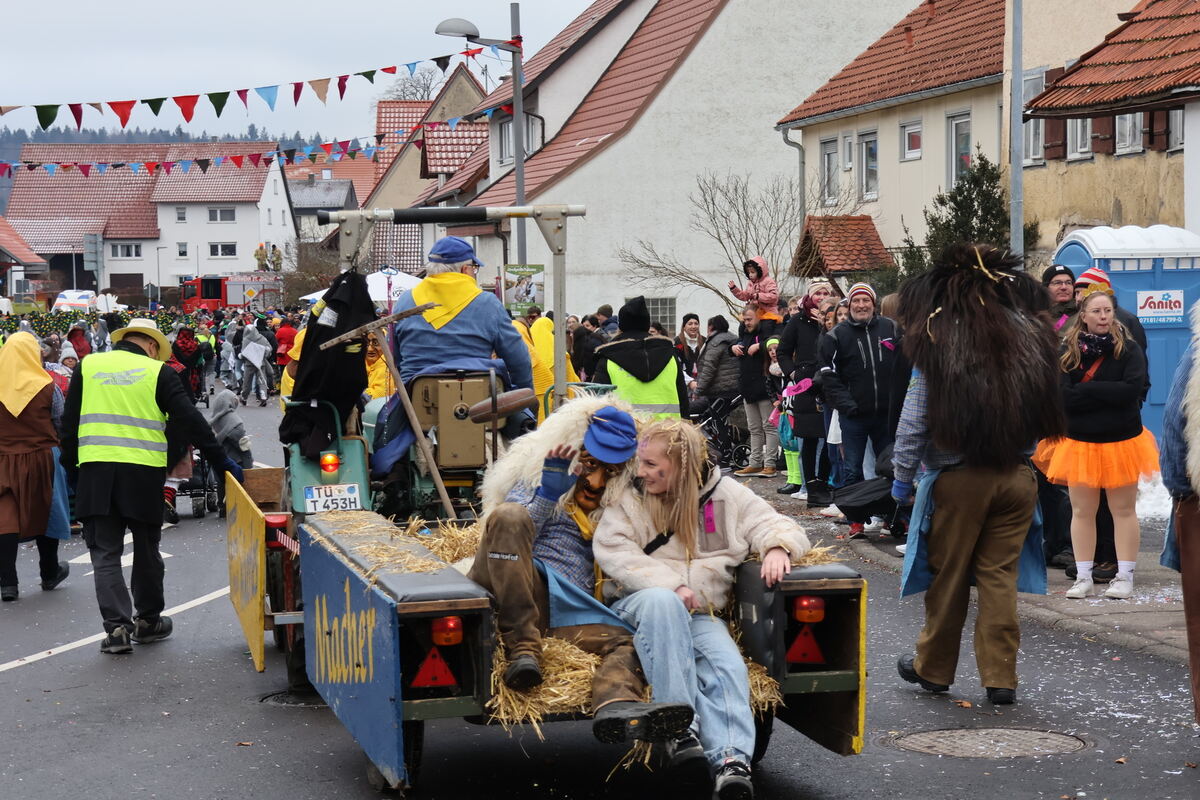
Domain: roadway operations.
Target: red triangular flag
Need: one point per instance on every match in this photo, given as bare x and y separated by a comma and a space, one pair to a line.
187, 105
507, 108
344, 146
166, 165
388, 70
77, 113
418, 143
237, 161
242, 94
123, 108
65, 167
328, 148
85, 169
342, 85
5, 169
255, 158
150, 166
433, 672
297, 88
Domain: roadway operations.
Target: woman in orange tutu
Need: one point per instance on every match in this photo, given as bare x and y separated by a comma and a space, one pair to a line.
1106, 447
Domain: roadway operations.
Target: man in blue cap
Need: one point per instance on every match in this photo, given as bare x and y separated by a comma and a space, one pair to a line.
542, 500
467, 322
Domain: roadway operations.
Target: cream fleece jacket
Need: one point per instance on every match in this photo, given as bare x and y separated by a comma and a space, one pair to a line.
743, 522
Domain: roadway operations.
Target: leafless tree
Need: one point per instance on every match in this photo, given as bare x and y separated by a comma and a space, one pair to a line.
310, 266
421, 85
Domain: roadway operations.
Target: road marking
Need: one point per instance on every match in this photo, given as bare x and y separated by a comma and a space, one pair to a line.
54, 651
126, 559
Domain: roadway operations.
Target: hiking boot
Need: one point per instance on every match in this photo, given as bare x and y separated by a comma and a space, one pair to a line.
746, 472
652, 722
789, 488
732, 781
767, 472
1000, 696
145, 632
170, 515
1121, 588
1104, 572
9, 593
116, 642
1064, 559
523, 673
909, 673
64, 569
1083, 588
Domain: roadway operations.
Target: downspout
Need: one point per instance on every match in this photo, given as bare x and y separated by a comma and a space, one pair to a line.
800, 149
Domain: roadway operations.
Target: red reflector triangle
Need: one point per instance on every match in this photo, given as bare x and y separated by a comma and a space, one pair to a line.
434, 671
804, 649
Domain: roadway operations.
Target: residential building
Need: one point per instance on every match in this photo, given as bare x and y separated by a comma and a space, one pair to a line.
16, 257
1100, 169
151, 226
311, 195
901, 121
632, 103
839, 247
337, 166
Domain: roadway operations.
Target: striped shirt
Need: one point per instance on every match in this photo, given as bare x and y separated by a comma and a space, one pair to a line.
558, 541
913, 446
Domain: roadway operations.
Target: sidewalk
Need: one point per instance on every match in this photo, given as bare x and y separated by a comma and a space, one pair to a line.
1149, 622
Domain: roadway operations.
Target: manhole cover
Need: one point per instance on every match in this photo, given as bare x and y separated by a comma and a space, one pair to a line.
293, 699
989, 742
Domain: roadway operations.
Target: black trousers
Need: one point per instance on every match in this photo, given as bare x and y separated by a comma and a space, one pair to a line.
47, 557
105, 538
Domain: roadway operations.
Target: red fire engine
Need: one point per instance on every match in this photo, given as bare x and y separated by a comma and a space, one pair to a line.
258, 289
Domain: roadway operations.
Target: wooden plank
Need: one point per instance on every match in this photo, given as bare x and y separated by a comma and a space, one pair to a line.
437, 606
823, 584
363, 330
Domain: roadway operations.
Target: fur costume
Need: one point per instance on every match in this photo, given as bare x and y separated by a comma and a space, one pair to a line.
522, 462
979, 331
1191, 405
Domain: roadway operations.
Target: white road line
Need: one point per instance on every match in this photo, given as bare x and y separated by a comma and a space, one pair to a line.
126, 561
20, 662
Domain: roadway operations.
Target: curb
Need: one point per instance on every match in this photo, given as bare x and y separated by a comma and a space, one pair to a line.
1045, 617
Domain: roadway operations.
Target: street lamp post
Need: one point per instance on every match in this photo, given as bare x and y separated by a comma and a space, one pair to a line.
158, 272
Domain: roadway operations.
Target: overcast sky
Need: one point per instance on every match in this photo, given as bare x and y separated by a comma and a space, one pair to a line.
93, 50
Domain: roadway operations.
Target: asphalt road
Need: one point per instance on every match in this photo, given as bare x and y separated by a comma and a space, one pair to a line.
186, 717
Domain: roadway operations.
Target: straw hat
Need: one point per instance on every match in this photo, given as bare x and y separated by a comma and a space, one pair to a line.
145, 327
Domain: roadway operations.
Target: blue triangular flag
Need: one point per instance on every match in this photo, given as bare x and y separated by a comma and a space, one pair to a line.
412, 68
185, 165
103, 168
495, 51
308, 151
489, 113
134, 166
453, 122
336, 156
369, 152
218, 161
268, 94
50, 168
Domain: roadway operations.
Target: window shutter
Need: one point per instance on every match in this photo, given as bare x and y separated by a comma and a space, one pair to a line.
1104, 138
1155, 135
1055, 131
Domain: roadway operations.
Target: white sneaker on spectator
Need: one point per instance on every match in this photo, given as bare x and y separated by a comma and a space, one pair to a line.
1082, 588
876, 524
902, 548
800, 495
1120, 588
832, 511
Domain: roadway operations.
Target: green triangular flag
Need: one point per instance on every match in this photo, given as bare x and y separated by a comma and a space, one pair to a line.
312, 157
369, 75
47, 114
218, 100
352, 154
155, 104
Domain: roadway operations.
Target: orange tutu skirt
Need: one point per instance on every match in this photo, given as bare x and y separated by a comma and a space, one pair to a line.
1106, 465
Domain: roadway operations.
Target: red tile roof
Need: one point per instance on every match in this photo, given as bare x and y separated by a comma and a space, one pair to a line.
12, 246
227, 183
470, 172
632, 80
446, 149
1145, 61
556, 50
836, 244
391, 116
939, 44
399, 246
60, 234
360, 170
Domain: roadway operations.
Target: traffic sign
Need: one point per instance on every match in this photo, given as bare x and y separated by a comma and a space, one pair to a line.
251, 292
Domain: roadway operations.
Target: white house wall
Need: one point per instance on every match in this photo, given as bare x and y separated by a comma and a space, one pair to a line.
1191, 171
717, 113
275, 223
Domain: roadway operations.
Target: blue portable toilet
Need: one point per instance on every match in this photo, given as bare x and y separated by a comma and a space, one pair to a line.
1155, 274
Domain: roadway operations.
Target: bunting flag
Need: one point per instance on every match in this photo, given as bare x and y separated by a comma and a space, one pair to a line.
85, 169
155, 104
46, 115
268, 94
5, 109
471, 53
320, 87
50, 167
254, 158
99, 107
186, 165
442, 62
243, 94
453, 122
102, 168
151, 166
342, 80
495, 51
388, 70
297, 88
369, 74
218, 100
77, 113
203, 164
122, 108
187, 105
412, 68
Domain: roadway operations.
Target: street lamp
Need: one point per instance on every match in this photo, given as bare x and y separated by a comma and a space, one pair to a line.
466, 29
158, 272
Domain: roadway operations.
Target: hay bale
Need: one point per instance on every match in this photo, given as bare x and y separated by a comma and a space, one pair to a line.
566, 686
383, 555
765, 695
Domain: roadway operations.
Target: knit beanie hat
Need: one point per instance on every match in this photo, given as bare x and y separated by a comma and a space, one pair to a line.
1053, 271
1093, 275
861, 289
634, 316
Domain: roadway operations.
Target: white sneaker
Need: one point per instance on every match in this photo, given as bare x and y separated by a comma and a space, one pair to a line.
1082, 588
800, 495
902, 548
1119, 588
832, 511
876, 524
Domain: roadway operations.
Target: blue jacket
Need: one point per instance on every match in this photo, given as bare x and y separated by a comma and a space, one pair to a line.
1172, 456
1031, 568
480, 329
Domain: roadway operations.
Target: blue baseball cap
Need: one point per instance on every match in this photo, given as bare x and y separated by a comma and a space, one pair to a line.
453, 250
612, 436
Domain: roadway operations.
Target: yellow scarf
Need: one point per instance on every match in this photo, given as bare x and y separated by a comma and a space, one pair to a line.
452, 291
587, 530
24, 375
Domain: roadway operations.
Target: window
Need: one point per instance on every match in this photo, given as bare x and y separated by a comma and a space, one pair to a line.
276, 185
326, 174
506, 142
1034, 129
181, 213
848, 153
1175, 129
221, 215
829, 171
910, 140
222, 249
126, 251
662, 309
1079, 138
181, 249
269, 217
1129, 133
868, 166
960, 146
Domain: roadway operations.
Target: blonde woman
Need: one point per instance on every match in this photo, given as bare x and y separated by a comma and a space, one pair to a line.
670, 550
1106, 448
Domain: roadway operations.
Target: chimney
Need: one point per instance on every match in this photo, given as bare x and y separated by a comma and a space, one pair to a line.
908, 37
932, 8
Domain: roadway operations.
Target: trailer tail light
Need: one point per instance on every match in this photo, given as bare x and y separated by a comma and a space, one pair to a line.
807, 608
447, 631
804, 648
434, 671
330, 463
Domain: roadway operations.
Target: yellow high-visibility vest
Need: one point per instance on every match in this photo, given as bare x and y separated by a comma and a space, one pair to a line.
119, 418
658, 398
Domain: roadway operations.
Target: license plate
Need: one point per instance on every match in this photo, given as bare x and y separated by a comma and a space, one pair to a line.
334, 497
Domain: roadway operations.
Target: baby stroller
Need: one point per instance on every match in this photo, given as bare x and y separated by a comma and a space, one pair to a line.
727, 438
203, 488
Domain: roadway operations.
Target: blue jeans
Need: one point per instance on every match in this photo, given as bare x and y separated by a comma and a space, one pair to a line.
691, 658
855, 432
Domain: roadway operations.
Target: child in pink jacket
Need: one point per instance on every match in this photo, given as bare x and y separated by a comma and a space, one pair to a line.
763, 291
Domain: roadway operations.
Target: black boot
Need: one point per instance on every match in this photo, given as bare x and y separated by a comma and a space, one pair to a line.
523, 673
652, 722
64, 569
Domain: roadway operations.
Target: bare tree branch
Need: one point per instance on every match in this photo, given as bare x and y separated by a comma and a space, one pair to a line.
421, 85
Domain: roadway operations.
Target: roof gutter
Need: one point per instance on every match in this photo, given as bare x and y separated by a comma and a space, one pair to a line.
891, 102
799, 149
1171, 99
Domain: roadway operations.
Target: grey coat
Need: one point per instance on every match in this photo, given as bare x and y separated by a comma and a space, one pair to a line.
717, 368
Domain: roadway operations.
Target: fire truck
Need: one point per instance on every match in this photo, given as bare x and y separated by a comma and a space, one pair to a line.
259, 289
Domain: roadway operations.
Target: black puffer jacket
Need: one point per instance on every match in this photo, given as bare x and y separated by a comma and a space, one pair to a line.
752, 369
1108, 408
861, 369
798, 358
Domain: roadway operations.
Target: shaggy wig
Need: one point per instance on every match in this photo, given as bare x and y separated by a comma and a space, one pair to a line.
978, 330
